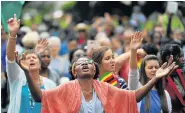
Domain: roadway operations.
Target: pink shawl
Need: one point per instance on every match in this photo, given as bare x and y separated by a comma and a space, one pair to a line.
67, 98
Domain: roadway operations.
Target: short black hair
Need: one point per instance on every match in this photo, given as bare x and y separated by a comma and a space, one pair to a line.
72, 53
150, 49
170, 49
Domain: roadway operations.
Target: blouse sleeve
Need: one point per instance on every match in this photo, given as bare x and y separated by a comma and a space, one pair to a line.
133, 79
168, 101
13, 71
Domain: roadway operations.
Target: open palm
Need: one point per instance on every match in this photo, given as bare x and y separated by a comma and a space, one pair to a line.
13, 25
41, 46
165, 69
21, 61
136, 40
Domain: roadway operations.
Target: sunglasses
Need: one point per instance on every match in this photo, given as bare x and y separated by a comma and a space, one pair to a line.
89, 61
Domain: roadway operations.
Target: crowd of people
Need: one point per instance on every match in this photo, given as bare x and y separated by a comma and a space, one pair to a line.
105, 67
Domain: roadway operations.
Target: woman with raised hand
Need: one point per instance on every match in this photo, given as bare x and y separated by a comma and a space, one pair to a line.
21, 100
157, 99
85, 94
109, 66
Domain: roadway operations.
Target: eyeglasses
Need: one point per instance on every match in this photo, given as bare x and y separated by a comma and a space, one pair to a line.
89, 61
80, 55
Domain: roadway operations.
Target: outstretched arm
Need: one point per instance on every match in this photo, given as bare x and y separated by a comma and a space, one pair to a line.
13, 26
133, 78
136, 41
143, 91
121, 59
161, 72
33, 86
12, 69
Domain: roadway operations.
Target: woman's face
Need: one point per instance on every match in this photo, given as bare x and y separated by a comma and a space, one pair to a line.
33, 60
84, 68
151, 68
108, 61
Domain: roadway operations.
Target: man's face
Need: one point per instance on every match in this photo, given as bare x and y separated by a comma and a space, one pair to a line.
45, 58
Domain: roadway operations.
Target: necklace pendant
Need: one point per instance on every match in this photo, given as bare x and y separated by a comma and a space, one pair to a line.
32, 103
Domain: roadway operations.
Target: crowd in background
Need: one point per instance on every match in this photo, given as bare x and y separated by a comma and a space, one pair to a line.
69, 41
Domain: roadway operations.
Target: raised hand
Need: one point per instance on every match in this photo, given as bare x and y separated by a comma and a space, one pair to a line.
13, 26
165, 69
136, 40
41, 46
22, 62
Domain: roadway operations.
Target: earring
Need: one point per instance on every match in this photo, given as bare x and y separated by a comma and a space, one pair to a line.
93, 75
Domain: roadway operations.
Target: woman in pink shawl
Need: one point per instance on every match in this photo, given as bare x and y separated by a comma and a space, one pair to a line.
87, 95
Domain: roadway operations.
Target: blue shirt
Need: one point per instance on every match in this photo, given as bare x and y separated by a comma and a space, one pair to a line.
26, 101
155, 105
3, 54
61, 66
93, 106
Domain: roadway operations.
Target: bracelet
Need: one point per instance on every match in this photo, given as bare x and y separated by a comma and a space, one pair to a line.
12, 37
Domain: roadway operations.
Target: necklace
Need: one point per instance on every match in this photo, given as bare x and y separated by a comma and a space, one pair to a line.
85, 104
32, 101
87, 92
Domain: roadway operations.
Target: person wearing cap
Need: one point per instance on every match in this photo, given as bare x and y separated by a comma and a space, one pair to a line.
82, 33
